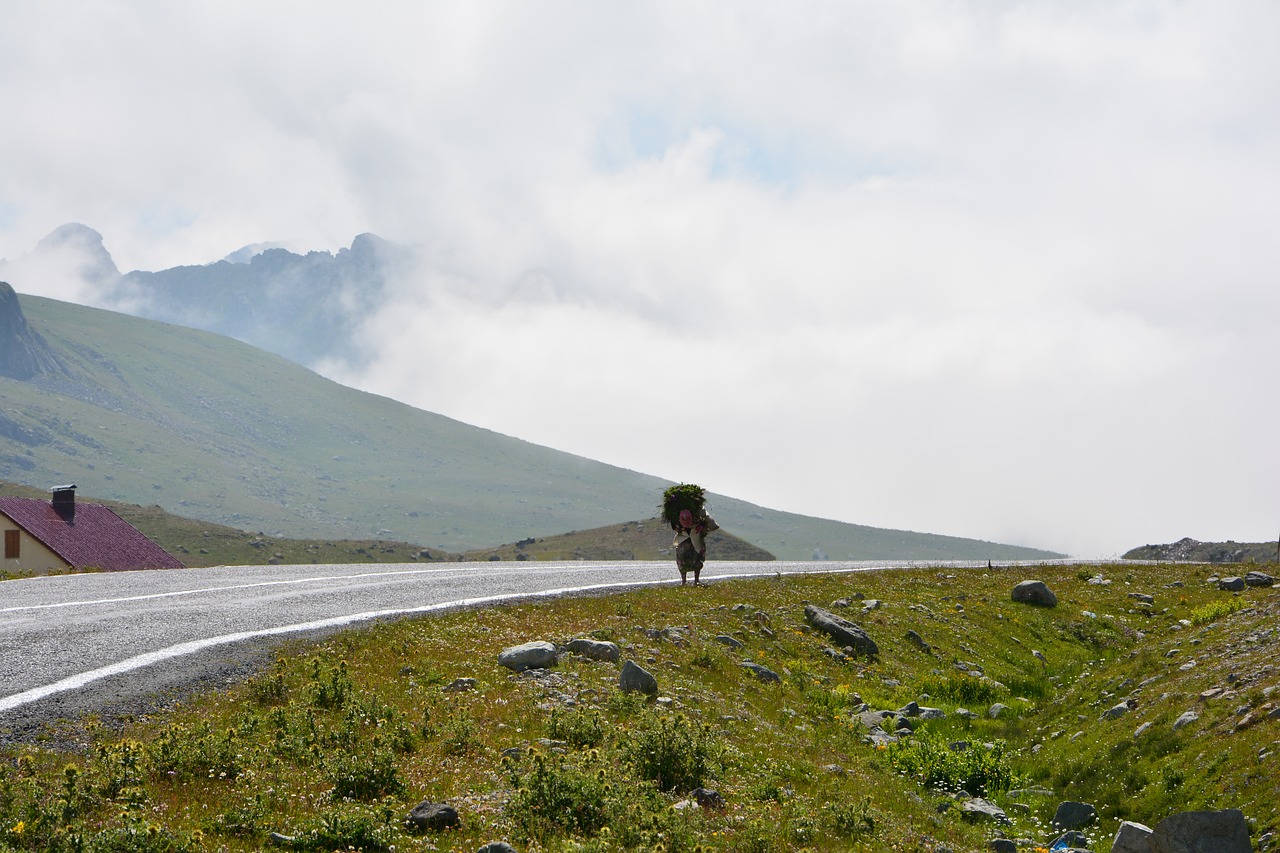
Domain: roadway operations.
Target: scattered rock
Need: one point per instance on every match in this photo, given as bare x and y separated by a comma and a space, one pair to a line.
1003, 845
1143, 597
996, 710
978, 809
1132, 838
1142, 729
763, 673
594, 649
916, 640
538, 654
844, 632
1186, 719
1233, 584
732, 642
1259, 579
1073, 815
432, 817
1115, 712
497, 847
1069, 841
1222, 831
635, 679
460, 684
1034, 592
708, 798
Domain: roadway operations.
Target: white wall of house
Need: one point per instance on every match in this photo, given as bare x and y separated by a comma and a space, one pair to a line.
33, 557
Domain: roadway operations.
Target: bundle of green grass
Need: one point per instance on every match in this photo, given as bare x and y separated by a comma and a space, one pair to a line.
679, 498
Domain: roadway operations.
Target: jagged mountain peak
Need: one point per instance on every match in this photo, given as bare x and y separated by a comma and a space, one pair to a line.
23, 352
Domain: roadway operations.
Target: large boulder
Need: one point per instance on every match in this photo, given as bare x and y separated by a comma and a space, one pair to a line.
432, 817
843, 632
1072, 815
1232, 584
1034, 592
1222, 831
1259, 579
536, 655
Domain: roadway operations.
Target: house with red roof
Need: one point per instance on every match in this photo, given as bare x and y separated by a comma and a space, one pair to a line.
58, 535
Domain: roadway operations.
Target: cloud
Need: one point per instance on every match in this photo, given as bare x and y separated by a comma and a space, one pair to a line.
995, 271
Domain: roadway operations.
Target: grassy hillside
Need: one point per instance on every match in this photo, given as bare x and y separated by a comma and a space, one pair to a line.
209, 428
336, 743
632, 540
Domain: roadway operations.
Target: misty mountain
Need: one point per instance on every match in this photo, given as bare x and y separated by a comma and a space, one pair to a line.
303, 307
210, 428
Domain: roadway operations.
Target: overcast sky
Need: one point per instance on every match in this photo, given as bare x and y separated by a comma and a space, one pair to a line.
1003, 270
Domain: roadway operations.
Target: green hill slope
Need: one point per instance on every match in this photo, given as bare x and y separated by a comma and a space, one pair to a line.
213, 429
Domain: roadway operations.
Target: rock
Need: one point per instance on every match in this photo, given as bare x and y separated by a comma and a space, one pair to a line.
1142, 729
1034, 592
707, 798
1233, 584
497, 847
916, 640
977, 809
1002, 845
842, 631
1259, 579
1185, 719
594, 649
432, 817
634, 679
538, 654
1115, 712
763, 673
965, 714
1143, 597
1222, 831
1069, 841
1132, 838
460, 684
996, 710
732, 642
1073, 815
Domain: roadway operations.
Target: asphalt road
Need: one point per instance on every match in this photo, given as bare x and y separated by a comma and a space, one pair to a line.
119, 643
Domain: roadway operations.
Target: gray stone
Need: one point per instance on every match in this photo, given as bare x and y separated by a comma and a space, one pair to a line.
1115, 712
916, 640
1069, 841
707, 798
634, 679
978, 809
1034, 592
1073, 815
1002, 845
763, 673
842, 631
732, 642
1143, 597
996, 710
1259, 579
1132, 838
1142, 729
1186, 719
460, 684
1233, 584
536, 655
497, 847
594, 649
428, 816
1222, 831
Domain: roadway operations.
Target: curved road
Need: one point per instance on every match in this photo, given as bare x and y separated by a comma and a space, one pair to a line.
90, 642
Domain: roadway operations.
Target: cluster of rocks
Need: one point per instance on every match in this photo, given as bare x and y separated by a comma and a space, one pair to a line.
1238, 584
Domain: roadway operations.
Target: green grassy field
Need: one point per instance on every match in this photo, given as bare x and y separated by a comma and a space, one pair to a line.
334, 744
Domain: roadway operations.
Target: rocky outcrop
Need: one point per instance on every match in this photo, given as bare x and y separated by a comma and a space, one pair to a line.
1222, 831
24, 354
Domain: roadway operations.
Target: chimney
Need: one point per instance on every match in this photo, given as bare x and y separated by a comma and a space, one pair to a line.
64, 502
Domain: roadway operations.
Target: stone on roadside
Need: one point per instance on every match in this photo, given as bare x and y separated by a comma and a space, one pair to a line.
842, 631
538, 654
635, 679
594, 649
1034, 592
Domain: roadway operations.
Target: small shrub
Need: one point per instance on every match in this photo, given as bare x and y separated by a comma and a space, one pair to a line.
962, 689
674, 752
364, 776
330, 686
268, 689
556, 798
347, 828
1216, 609
580, 729
929, 759
851, 820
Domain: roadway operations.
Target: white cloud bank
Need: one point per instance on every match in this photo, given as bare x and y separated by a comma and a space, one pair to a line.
993, 270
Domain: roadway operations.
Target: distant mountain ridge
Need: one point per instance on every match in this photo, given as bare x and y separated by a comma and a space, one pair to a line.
149, 412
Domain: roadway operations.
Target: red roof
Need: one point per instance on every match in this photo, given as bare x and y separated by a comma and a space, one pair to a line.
96, 538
